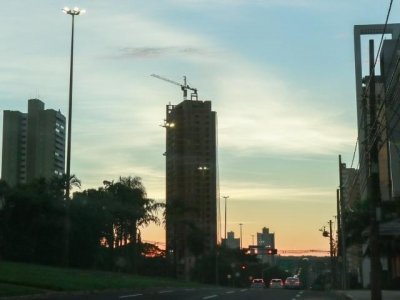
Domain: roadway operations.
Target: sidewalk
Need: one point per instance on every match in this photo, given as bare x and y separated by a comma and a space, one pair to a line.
366, 294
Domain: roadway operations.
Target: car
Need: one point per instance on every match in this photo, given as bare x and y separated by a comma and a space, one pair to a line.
276, 283
292, 283
258, 283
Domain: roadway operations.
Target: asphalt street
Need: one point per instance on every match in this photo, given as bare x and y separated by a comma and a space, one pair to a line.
200, 294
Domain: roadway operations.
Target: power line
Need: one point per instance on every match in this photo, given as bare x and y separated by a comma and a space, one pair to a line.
354, 153
381, 42
378, 128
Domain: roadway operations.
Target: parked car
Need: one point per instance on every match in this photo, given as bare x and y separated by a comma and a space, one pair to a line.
292, 283
276, 283
258, 283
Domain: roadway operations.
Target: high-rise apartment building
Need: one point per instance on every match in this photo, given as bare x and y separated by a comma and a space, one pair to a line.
191, 182
231, 242
33, 144
266, 239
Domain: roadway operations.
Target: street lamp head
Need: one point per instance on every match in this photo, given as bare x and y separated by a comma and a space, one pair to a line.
74, 11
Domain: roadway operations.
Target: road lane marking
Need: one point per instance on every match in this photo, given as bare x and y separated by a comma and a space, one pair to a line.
129, 296
229, 292
243, 290
163, 292
209, 297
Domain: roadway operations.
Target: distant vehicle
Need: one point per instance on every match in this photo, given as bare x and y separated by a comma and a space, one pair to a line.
292, 283
258, 283
276, 283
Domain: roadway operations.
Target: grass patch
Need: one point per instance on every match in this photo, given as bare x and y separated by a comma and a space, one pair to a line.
17, 290
59, 279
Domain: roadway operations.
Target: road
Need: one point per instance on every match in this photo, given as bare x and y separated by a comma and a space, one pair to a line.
200, 294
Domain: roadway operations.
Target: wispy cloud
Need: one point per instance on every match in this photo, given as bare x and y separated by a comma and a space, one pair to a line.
251, 191
293, 3
259, 111
156, 52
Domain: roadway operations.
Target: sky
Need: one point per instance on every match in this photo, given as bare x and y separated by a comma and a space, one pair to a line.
280, 75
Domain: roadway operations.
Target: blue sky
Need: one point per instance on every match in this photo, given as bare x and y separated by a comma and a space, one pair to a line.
280, 75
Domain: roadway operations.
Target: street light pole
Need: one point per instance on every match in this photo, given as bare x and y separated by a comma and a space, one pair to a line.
225, 197
73, 12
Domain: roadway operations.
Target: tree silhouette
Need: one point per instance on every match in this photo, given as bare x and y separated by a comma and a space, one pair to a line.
121, 208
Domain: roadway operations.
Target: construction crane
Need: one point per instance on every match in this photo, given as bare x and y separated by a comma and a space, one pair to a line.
184, 87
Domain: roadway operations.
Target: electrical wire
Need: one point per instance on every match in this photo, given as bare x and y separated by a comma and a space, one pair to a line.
381, 42
377, 128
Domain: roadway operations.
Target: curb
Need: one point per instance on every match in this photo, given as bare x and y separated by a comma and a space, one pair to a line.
344, 296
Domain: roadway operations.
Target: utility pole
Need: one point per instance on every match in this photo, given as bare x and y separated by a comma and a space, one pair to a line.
339, 224
373, 191
342, 227
331, 251
216, 267
333, 269
338, 237
241, 245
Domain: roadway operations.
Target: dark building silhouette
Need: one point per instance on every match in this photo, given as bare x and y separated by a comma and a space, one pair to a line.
265, 238
230, 241
33, 144
191, 182
386, 93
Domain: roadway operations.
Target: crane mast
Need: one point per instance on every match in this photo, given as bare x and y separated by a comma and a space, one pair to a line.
184, 87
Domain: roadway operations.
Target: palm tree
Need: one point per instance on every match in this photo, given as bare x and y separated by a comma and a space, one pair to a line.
131, 209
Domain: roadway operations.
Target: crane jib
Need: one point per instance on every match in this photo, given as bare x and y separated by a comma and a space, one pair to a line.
184, 87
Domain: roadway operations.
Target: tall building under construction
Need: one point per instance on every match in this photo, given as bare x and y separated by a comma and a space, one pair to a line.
33, 144
191, 182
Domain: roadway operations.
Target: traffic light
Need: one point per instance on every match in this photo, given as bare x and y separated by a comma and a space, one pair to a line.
272, 251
